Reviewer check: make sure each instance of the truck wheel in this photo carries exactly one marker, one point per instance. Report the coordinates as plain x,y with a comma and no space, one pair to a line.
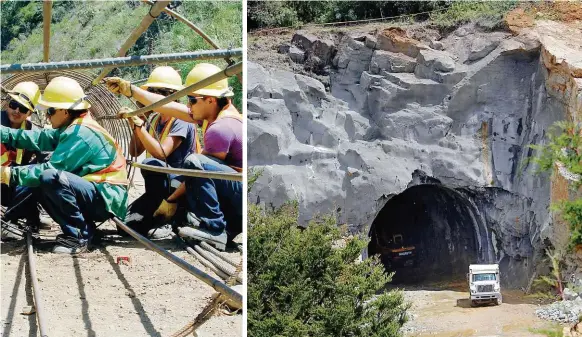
473,304
498,301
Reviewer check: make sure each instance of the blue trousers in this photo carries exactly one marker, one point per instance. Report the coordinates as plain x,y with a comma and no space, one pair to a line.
215,201
73,202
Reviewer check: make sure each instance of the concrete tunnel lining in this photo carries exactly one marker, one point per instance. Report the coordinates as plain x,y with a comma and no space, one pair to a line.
441,223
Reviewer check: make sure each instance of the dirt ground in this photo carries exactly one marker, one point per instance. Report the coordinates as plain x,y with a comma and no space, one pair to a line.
92,295
439,311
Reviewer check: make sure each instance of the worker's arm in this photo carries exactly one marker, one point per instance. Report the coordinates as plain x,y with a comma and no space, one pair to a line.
33,140
218,155
171,109
217,141
72,152
151,144
178,193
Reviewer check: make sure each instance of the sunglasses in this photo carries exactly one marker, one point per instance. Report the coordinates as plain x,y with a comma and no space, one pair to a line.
14,105
163,92
193,99
51,111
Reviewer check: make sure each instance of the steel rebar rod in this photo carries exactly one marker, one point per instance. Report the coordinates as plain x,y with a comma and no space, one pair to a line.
46,27
228,72
222,288
147,20
215,251
218,263
207,263
190,173
119,61
36,288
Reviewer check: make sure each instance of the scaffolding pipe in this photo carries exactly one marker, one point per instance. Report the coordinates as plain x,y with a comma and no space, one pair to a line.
147,20
220,287
35,287
46,27
118,61
190,173
192,26
226,73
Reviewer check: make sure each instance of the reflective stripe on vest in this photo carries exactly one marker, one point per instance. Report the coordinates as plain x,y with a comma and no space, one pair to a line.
228,112
6,156
165,131
116,172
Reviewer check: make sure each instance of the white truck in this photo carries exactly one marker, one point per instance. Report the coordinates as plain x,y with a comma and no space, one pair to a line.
484,284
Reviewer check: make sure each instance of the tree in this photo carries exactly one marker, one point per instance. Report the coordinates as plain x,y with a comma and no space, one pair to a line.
307,281
564,148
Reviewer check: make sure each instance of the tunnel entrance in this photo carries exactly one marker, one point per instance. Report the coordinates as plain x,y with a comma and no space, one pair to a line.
428,233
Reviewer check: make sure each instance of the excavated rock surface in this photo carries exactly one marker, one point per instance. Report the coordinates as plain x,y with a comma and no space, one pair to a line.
401,114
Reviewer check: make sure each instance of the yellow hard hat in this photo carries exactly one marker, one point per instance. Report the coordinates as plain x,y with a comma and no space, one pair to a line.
64,93
26,93
205,70
164,77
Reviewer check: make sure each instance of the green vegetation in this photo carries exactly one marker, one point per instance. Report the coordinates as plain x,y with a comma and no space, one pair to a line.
565,146
553,332
309,282
445,14
551,286
96,29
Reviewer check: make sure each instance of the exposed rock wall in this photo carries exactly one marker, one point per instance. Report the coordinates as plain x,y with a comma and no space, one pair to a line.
463,116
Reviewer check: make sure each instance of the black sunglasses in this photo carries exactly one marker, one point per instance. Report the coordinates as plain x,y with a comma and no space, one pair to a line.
14,105
51,111
193,99
164,92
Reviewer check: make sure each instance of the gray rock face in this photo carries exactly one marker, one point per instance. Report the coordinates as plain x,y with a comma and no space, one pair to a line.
481,47
382,133
297,55
304,40
324,50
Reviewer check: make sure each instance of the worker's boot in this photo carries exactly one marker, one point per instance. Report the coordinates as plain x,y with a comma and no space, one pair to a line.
162,232
70,245
196,232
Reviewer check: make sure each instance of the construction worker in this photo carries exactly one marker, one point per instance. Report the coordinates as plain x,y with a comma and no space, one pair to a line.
211,203
165,140
86,177
23,100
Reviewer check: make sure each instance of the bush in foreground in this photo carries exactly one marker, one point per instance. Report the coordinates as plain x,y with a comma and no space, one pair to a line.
308,282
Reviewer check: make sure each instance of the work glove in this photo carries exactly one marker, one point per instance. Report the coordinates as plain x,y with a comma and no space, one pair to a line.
133,120
118,86
5,175
166,209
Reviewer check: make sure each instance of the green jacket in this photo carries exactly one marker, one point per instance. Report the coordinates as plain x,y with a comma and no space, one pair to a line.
77,149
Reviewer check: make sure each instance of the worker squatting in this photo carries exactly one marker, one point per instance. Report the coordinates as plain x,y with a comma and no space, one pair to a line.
83,179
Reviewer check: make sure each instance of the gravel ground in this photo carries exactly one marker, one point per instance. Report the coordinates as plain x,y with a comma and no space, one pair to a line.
92,295
563,312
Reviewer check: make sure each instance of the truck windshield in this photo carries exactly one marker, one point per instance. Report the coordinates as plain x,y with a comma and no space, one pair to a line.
483,277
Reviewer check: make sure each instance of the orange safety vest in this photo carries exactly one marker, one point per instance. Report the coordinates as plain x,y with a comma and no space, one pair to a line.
7,156
228,112
166,131
116,172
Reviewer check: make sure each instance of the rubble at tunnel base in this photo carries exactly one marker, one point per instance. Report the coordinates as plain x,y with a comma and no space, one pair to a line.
468,125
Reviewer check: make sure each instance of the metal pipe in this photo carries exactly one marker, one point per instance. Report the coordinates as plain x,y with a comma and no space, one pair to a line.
215,251
147,20
229,71
207,263
119,61
46,27
218,263
37,297
222,288
190,173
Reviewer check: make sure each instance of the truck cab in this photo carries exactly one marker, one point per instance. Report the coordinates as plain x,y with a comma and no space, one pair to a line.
484,286
398,253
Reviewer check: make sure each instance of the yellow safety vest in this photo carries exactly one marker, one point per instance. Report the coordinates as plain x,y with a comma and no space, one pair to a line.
165,131
5,158
116,172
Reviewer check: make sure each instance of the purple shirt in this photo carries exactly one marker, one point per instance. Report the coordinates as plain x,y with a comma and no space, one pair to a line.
225,135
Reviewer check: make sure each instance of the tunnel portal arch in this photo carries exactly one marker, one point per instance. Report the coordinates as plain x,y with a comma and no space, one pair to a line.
442,225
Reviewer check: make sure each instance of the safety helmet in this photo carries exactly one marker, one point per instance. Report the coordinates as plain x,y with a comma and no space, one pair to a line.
64,93
205,70
164,77
26,93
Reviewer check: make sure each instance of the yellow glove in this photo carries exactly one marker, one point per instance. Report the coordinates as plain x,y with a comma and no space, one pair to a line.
118,86
5,175
166,209
133,120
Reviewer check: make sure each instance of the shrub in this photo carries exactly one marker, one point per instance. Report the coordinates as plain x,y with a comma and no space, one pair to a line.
307,282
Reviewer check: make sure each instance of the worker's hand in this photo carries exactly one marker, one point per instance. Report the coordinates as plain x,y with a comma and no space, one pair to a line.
133,120
166,209
5,175
118,86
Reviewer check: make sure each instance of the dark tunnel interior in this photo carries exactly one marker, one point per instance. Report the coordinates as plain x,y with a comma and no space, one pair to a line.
426,233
